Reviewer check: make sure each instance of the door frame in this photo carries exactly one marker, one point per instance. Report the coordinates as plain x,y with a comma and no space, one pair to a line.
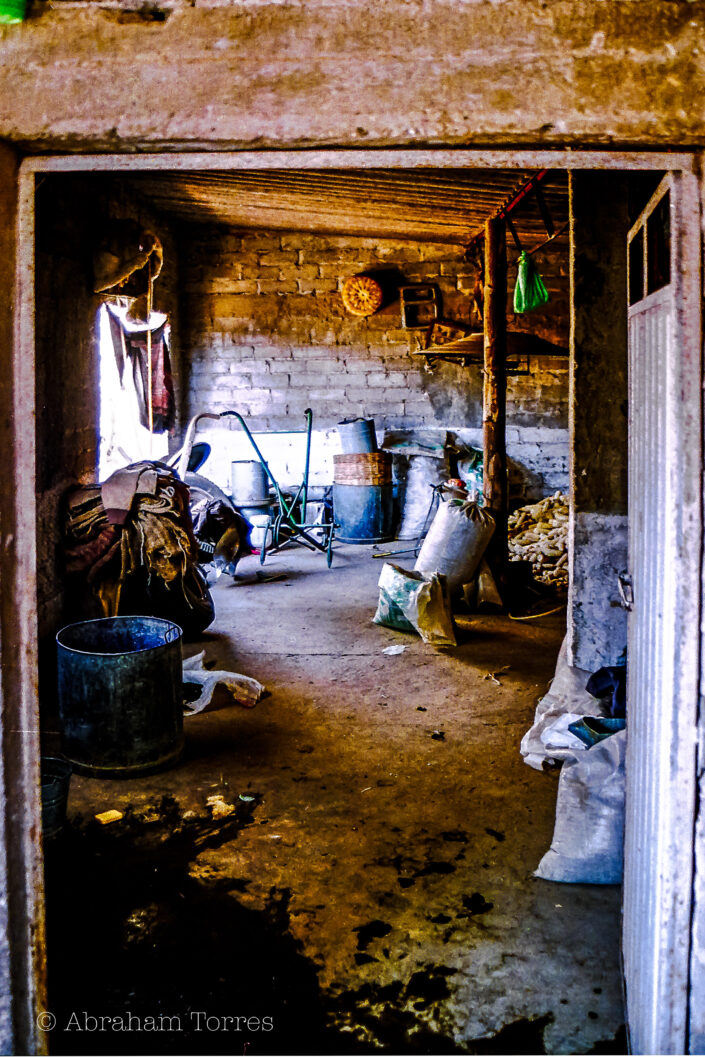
658,892
21,636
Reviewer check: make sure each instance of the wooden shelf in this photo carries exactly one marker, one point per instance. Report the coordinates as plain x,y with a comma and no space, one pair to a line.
469,351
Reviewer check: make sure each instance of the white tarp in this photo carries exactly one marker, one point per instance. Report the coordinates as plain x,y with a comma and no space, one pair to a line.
567,700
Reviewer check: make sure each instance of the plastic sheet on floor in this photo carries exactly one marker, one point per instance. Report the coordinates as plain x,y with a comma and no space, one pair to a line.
244,690
549,740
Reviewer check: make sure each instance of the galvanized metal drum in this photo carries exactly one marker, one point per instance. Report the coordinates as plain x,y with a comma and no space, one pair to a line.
364,512
357,436
250,485
120,695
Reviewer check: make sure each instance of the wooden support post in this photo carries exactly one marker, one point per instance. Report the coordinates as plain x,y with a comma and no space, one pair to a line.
494,390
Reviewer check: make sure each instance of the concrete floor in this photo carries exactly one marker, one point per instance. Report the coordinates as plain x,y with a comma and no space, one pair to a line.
378,890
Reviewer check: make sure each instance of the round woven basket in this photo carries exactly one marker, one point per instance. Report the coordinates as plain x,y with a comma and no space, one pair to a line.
362,296
374,467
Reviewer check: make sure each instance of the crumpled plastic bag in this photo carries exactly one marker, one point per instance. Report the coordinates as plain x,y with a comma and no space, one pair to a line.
412,601
588,838
245,691
566,701
558,740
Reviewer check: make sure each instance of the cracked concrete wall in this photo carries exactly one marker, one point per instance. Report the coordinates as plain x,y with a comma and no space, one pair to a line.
353,72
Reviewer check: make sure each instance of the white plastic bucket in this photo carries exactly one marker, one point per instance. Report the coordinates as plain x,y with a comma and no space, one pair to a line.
260,531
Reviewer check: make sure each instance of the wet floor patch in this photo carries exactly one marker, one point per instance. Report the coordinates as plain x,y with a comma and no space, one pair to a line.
474,904
522,1036
387,1018
399,1017
146,959
616,1044
371,931
496,834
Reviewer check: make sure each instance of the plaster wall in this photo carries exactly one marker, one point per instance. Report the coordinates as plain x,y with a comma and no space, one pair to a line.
315,72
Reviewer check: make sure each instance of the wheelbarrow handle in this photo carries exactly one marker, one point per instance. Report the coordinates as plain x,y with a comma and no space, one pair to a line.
185,454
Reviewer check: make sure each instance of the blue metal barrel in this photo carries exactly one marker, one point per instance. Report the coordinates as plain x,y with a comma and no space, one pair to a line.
364,512
357,436
120,695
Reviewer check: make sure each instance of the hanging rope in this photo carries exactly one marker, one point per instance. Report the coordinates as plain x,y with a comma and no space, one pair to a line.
537,616
150,407
556,234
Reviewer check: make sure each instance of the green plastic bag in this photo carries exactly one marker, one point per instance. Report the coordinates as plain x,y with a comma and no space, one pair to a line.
529,292
12,11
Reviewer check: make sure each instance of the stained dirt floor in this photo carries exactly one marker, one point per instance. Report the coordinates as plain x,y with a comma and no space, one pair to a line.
374,890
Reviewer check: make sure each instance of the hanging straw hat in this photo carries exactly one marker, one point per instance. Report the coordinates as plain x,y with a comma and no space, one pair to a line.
125,249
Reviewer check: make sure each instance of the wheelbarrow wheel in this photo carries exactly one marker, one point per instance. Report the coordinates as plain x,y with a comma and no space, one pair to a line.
201,488
329,548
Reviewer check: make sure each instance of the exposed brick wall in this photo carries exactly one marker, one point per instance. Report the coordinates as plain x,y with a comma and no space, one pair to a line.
265,332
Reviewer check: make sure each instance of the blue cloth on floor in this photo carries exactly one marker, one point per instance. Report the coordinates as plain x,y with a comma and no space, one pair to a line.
591,729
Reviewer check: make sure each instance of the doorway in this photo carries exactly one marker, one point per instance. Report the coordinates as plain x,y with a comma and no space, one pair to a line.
465,161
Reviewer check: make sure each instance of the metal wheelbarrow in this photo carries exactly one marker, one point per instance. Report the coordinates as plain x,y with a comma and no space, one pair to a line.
288,523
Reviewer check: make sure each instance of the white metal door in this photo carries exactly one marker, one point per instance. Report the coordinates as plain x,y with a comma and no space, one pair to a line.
664,641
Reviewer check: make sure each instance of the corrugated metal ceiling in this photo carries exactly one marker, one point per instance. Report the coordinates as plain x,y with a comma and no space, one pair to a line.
427,205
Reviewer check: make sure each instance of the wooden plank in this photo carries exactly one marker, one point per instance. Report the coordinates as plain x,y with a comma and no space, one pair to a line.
494,390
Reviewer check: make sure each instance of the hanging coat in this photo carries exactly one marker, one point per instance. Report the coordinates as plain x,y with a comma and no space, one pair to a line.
131,352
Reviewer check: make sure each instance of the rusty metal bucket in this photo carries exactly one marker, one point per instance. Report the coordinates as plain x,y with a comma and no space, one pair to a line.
120,695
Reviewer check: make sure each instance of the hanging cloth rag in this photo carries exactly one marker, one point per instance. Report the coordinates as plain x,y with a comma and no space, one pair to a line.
131,346
529,292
